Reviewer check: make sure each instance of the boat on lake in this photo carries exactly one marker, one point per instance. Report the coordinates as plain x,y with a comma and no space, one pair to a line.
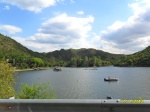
57,68
94,68
111,79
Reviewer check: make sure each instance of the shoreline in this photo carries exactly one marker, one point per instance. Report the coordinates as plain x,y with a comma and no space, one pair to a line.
31,69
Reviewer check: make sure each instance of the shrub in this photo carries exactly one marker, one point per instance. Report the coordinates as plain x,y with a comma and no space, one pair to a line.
6,80
36,91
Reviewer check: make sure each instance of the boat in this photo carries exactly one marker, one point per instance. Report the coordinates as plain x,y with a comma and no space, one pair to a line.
111,79
57,68
94,68
109,97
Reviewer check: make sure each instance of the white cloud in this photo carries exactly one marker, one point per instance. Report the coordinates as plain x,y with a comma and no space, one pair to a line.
6,7
80,12
132,35
72,1
32,5
99,43
10,29
65,27
64,31
40,47
61,31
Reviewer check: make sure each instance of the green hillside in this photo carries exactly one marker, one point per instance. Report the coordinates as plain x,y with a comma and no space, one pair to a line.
18,55
67,54
21,57
9,45
78,57
141,59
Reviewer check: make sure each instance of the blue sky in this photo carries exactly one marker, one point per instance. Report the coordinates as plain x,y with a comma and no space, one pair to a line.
115,26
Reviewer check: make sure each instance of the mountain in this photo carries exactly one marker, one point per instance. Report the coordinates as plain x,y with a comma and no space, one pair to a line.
141,59
83,57
18,55
10,46
70,53
22,57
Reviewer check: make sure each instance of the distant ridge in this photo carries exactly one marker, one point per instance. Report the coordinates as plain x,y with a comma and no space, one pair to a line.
141,59
10,49
90,52
9,46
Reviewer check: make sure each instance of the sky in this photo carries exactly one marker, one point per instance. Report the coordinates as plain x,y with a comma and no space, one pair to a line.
115,26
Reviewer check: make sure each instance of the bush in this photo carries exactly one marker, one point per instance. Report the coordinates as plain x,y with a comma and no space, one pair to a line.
6,80
36,91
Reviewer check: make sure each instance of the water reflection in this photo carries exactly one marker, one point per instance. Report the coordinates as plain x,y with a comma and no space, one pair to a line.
89,84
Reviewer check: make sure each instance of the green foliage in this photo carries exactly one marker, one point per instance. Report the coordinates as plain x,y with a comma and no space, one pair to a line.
36,62
66,55
21,57
141,58
88,62
6,81
85,61
73,62
36,91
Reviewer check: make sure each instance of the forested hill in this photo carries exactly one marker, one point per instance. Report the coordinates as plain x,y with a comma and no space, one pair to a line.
21,57
141,58
9,47
18,55
83,57
83,52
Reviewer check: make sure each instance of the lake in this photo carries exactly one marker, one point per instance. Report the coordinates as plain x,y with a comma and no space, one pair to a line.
85,83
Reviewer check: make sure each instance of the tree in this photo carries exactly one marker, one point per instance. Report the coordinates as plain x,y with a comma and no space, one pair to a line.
36,91
74,62
94,60
38,62
6,80
79,61
85,62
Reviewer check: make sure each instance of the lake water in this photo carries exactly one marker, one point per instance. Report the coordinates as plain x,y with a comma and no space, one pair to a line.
84,83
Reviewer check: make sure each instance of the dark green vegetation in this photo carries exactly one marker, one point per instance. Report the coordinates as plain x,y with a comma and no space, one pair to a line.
139,59
83,57
21,57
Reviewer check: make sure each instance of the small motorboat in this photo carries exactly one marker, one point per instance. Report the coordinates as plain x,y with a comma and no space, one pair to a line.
111,79
109,97
57,69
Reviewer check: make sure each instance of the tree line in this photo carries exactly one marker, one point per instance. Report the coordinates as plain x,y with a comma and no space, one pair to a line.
23,61
87,62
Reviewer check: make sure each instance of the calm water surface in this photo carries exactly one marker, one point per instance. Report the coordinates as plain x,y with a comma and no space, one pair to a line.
84,83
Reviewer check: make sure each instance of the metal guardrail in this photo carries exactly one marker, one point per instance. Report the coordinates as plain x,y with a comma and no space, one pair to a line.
74,105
